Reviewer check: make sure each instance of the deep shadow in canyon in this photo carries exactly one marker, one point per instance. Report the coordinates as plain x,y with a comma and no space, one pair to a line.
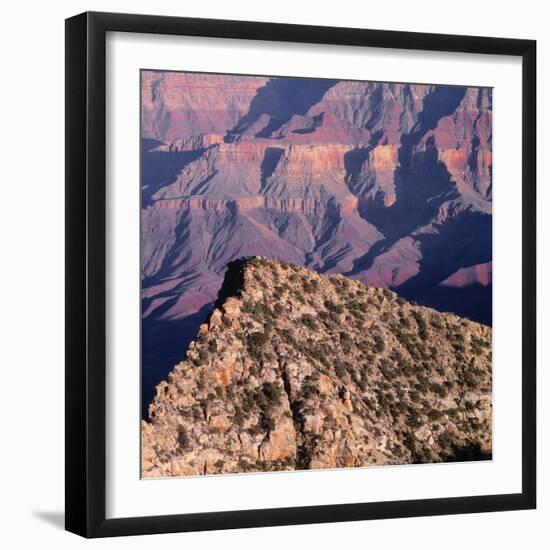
164,344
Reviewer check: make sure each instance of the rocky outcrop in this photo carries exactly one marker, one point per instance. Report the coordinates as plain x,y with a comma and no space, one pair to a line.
296,370
462,144
480,274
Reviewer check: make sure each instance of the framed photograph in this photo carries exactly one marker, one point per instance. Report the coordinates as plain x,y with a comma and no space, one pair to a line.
300,274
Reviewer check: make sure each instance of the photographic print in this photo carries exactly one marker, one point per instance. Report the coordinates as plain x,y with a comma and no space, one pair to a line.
316,273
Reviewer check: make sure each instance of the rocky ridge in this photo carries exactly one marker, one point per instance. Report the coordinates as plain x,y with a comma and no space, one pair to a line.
298,370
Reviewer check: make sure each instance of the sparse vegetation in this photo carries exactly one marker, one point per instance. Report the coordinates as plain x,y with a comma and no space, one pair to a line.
307,357
183,438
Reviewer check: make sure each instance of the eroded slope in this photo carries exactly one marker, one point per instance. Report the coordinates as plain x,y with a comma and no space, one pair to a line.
296,370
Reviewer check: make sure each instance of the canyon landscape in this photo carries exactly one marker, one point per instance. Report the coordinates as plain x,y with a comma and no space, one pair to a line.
304,244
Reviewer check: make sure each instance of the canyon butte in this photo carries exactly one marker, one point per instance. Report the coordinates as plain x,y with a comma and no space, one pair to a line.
298,370
386,183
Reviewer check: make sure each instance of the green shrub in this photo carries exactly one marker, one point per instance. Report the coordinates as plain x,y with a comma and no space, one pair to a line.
309,390
436,322
345,342
379,345
239,416
478,344
333,307
397,449
317,353
267,423
212,346
415,396
309,321
435,415
413,420
272,392
340,369
183,438
310,286
244,466
404,321
256,343
410,442
421,323
423,384
445,439
471,380
438,389
248,401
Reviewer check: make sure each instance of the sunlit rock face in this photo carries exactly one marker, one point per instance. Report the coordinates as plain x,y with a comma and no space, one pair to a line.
297,370
389,184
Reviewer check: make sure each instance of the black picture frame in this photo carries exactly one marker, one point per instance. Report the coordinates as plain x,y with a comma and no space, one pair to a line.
86,280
